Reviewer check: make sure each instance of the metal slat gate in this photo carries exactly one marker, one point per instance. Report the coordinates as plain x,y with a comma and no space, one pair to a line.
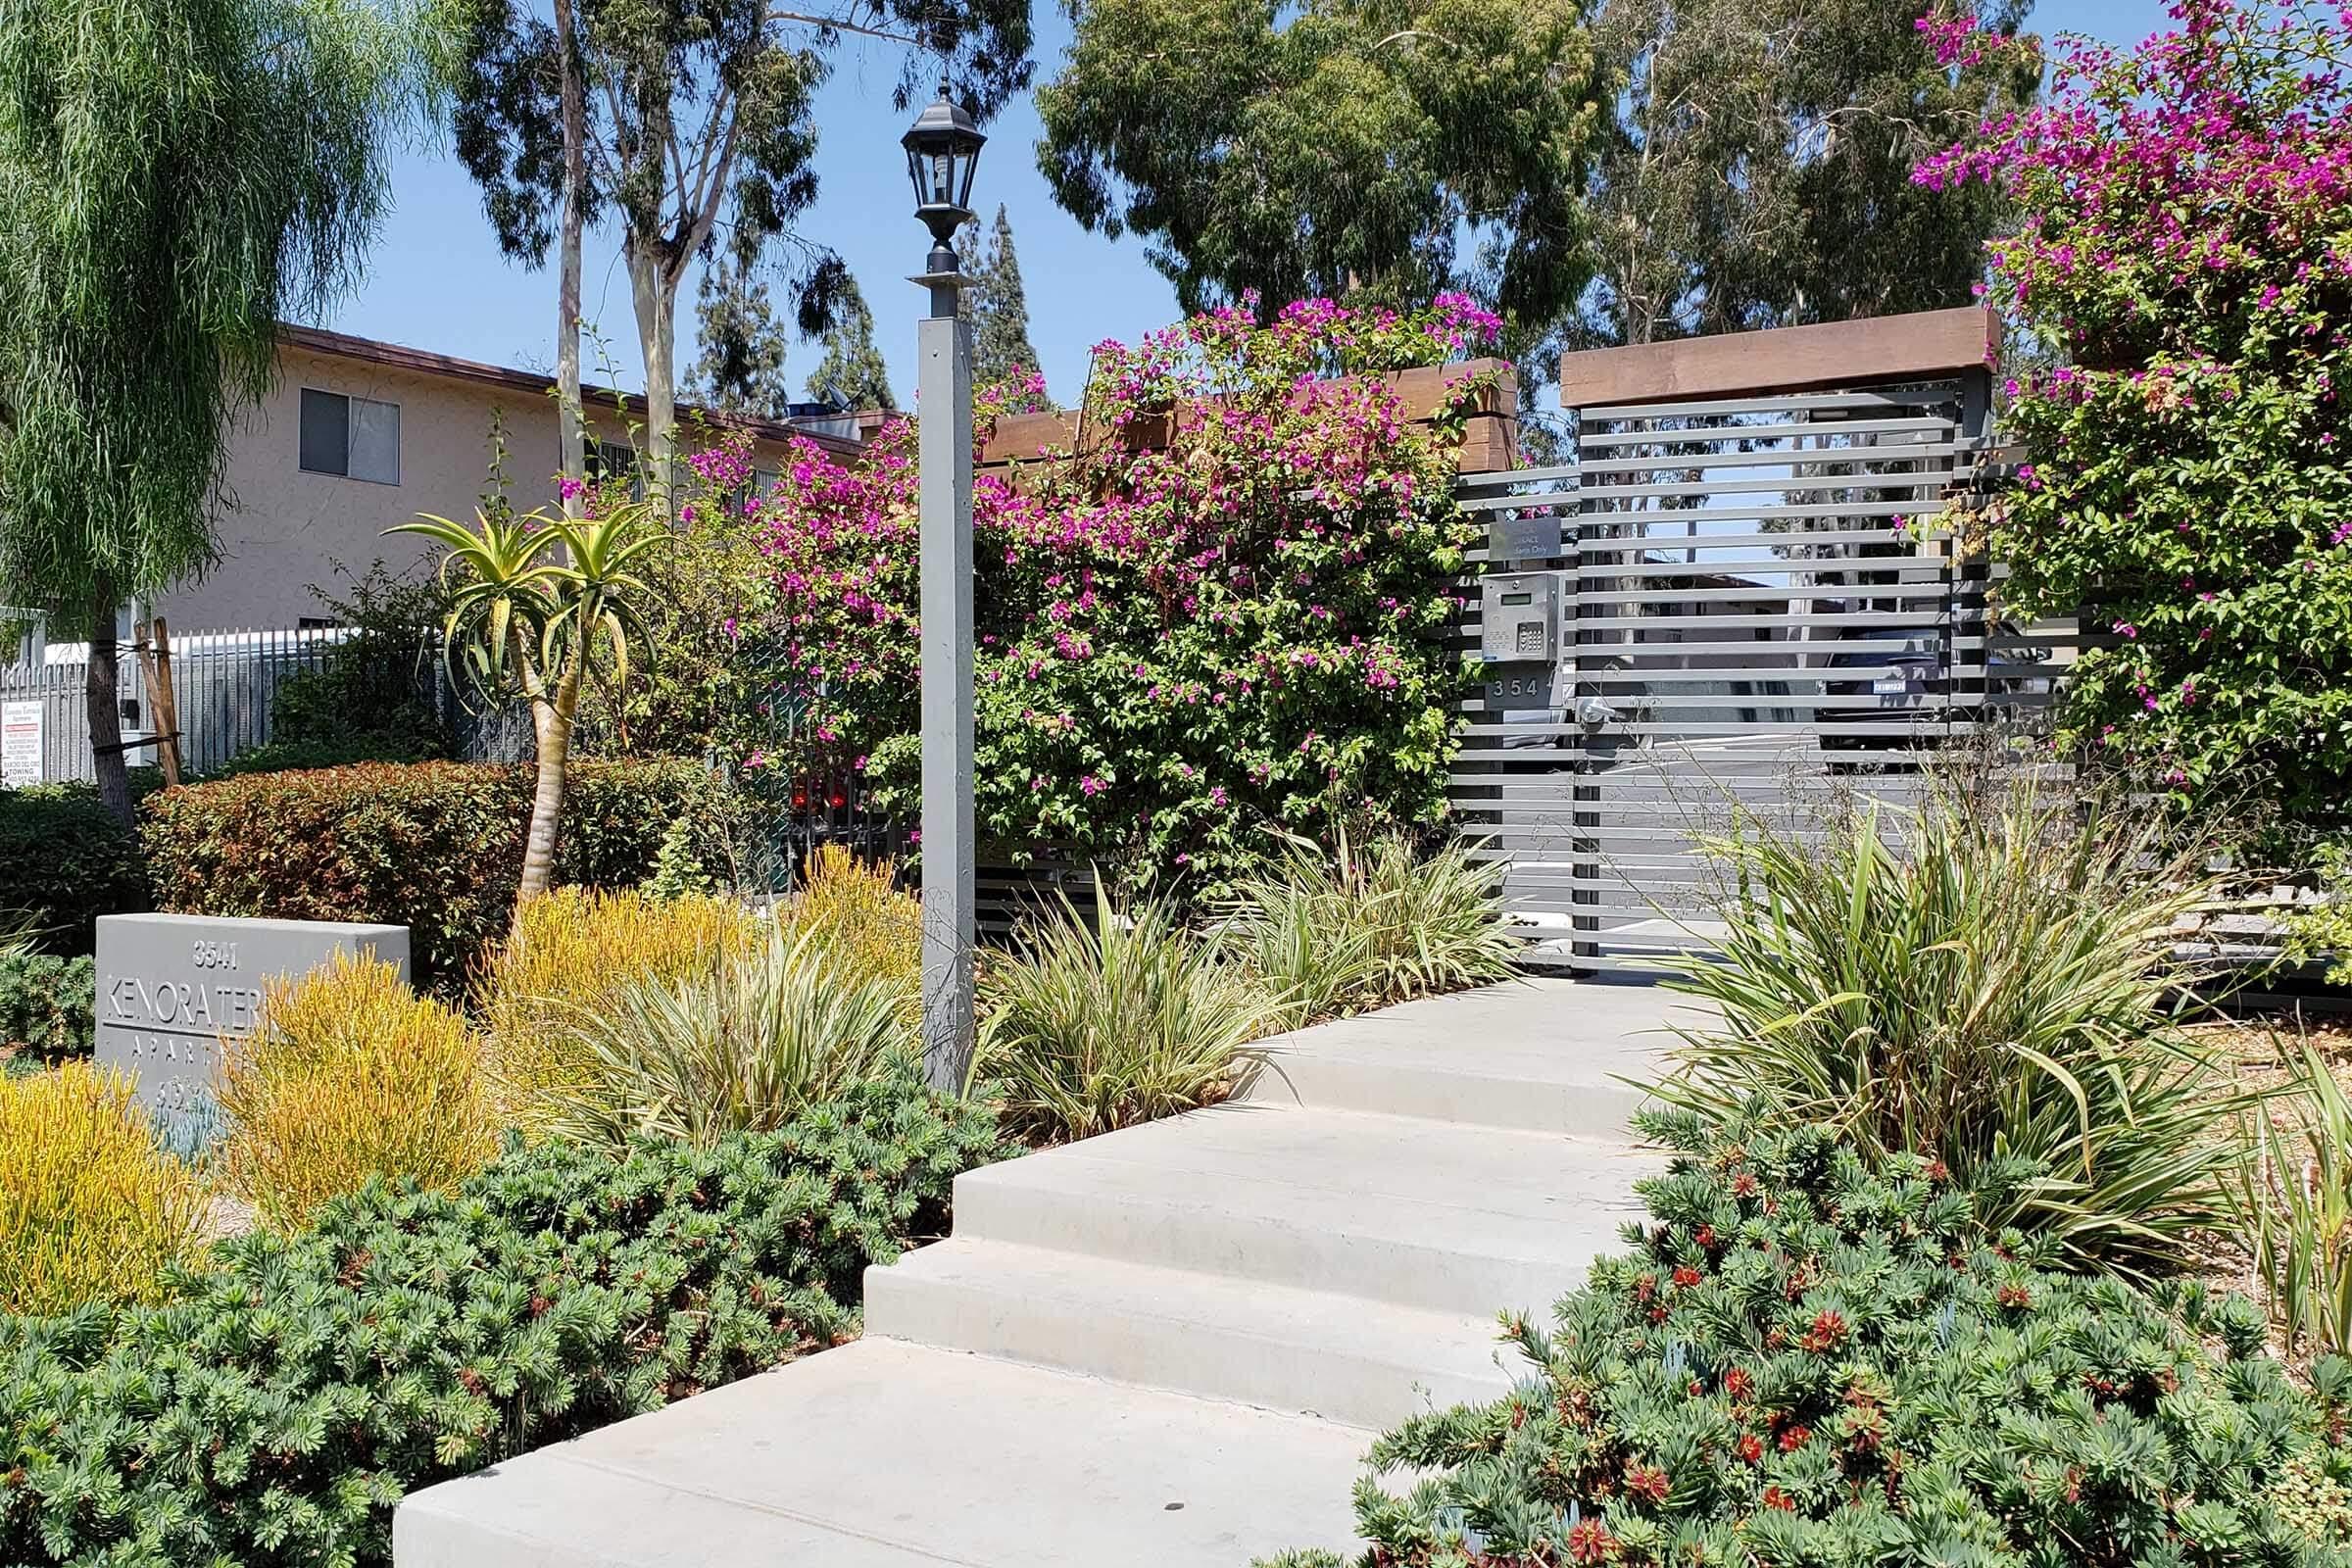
1747,602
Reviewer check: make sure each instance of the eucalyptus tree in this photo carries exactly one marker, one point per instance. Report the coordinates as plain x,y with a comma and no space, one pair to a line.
696,134
1379,149
1758,171
177,176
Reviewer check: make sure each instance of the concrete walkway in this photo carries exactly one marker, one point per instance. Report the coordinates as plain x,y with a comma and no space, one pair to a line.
1168,1347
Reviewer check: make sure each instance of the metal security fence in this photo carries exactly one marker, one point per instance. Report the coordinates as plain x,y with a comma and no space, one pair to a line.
1749,602
225,684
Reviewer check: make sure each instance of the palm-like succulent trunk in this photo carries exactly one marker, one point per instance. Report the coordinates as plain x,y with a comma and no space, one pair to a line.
552,718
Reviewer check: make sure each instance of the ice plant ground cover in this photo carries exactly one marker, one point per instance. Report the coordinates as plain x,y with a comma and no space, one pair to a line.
2183,270
1225,610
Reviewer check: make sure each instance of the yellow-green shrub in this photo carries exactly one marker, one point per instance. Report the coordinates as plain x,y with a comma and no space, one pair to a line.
90,1206
570,954
869,929
350,1075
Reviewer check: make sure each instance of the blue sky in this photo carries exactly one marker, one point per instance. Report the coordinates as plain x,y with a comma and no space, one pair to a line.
437,280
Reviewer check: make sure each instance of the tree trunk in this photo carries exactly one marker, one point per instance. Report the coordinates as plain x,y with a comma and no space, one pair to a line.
102,694
654,292
552,720
571,454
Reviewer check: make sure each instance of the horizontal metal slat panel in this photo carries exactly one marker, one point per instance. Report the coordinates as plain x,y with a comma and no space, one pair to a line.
1668,570
1547,475
1590,496
1910,585
1592,518
1776,458
1563,501
1904,425
1927,394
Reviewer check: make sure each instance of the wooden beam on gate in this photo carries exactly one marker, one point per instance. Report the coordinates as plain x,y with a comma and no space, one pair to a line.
1921,345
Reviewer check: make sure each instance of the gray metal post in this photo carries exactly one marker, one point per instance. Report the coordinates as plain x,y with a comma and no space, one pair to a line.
943,341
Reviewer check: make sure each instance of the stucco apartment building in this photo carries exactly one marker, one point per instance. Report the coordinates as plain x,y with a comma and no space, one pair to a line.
360,436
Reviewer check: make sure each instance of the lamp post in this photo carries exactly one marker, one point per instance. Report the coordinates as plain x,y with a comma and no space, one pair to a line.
943,148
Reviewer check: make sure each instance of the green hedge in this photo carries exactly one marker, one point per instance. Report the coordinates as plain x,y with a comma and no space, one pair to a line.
64,862
1808,1363
276,1413
290,756
436,847
48,1005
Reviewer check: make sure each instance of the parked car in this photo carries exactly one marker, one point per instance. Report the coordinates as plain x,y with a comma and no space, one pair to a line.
1905,665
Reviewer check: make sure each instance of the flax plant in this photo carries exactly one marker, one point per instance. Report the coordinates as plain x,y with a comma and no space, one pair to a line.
743,1048
1983,978
1097,1025
2294,1201
1369,925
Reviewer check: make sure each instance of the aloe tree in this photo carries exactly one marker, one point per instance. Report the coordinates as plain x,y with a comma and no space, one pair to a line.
177,176
535,600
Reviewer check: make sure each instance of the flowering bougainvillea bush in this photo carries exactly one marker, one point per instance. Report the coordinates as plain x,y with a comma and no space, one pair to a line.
1225,610
2185,262
1805,1360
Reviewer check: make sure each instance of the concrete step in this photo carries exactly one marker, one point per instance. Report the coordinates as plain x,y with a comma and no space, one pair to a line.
883,1454
1342,1357
1443,1216
1537,1055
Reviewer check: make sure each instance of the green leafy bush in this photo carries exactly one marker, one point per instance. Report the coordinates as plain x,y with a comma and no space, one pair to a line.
2322,933
1093,1026
372,695
293,756
64,862
1982,978
48,1005
436,847
275,1413
1814,1359
1369,925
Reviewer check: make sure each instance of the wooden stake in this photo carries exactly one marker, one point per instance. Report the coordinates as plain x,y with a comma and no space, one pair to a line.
154,663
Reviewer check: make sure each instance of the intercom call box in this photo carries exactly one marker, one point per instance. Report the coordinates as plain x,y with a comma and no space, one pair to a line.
1520,618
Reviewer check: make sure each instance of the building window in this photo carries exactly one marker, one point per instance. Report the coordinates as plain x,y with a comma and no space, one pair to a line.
614,459
358,438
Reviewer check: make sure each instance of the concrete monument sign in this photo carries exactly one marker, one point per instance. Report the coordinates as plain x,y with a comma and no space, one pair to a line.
170,985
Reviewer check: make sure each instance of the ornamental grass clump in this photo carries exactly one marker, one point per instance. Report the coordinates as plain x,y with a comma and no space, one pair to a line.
743,1048
349,1077
1369,924
1983,978
569,954
91,1209
1810,1356
1095,1025
2294,1202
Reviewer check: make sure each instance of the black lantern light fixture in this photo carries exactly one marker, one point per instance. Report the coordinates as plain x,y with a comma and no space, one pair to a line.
942,149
